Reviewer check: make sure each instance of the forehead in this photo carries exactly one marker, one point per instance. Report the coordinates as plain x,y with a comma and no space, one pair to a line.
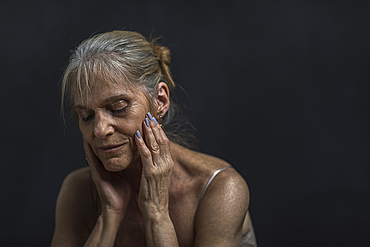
98,77
101,91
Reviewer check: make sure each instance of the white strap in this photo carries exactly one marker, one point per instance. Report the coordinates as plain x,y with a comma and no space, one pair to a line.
210,180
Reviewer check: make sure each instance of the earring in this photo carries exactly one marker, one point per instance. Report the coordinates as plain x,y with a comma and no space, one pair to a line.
160,121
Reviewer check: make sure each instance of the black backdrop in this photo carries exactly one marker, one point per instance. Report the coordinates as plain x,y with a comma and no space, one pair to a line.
277,88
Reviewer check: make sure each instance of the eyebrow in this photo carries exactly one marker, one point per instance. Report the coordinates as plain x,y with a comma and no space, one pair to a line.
106,101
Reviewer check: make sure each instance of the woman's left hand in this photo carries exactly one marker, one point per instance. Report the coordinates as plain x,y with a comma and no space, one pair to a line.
157,167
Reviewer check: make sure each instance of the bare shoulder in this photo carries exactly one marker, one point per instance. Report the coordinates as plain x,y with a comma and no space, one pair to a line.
227,186
76,193
80,177
74,211
76,188
202,166
222,211
200,163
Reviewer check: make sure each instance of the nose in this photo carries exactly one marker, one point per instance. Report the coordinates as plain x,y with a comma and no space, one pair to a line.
103,125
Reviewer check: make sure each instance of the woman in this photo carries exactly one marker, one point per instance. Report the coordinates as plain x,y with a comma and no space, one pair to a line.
140,188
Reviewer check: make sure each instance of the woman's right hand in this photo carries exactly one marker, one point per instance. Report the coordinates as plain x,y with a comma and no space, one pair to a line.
113,187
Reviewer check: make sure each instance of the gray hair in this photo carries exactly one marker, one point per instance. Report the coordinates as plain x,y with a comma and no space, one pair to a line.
123,57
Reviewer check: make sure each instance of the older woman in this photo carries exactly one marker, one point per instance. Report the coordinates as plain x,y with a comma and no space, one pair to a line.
141,187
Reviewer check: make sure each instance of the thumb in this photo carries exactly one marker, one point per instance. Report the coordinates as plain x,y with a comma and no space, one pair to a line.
95,164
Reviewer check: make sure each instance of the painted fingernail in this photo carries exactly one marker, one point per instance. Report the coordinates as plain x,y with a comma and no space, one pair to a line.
155,120
138,134
85,140
150,116
146,122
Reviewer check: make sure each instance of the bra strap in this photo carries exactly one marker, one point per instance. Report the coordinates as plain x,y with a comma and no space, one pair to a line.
210,180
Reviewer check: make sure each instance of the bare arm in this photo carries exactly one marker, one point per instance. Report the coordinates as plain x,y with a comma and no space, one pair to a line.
74,207
74,215
157,167
105,231
114,192
220,216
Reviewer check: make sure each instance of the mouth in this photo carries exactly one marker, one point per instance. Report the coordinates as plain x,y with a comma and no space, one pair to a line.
111,147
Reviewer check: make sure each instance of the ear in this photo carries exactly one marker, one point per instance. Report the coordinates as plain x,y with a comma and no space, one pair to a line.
163,99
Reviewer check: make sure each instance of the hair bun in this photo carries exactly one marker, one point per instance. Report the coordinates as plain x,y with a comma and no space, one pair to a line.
164,58
163,54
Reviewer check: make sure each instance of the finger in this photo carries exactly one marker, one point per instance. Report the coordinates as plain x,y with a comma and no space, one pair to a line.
153,182
163,159
150,139
145,153
152,171
159,175
160,136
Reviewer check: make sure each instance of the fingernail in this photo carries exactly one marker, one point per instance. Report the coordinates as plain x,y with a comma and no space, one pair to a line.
146,122
85,139
138,134
155,120
150,116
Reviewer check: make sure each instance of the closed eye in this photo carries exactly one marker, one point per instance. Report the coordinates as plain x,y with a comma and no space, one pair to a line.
88,118
118,111
118,107
85,115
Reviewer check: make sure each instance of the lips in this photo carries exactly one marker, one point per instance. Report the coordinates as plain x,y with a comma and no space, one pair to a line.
111,147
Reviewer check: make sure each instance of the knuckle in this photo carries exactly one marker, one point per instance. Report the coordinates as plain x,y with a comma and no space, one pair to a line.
154,172
146,154
163,141
168,156
163,169
154,147
169,170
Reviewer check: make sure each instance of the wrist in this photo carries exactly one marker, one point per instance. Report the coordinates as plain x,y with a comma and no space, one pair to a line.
160,231
157,218
112,217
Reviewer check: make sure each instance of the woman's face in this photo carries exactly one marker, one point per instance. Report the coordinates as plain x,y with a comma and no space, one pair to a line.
108,119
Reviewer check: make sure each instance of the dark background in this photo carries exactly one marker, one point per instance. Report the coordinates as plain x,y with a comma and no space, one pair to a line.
277,88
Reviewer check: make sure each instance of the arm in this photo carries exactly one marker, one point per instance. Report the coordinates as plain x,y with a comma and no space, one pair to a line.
105,231
220,216
74,206
157,167
74,215
114,193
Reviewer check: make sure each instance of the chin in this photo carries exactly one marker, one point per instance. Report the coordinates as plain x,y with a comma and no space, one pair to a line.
114,169
115,165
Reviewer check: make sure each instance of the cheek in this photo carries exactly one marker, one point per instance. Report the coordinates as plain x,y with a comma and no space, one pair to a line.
84,131
132,123
128,127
